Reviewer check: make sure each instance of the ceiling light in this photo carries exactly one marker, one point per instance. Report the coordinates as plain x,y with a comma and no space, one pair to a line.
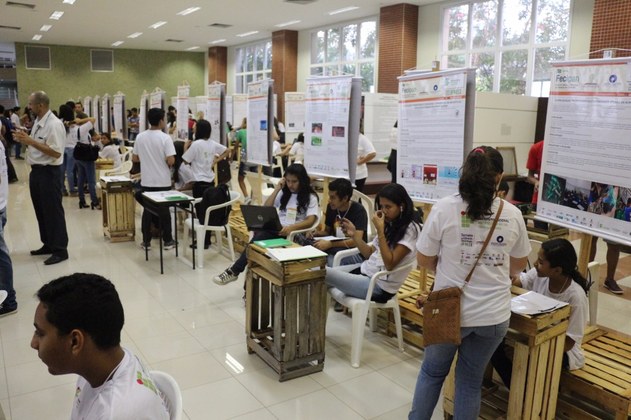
247,34
217,41
69,1
344,10
188,11
291,22
56,15
117,43
192,48
45,28
37,37
157,24
134,35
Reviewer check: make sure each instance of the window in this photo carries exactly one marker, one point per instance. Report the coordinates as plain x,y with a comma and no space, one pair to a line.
253,62
346,49
511,42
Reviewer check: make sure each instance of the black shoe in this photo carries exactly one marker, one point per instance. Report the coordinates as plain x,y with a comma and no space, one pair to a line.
4,311
83,205
56,258
95,205
42,251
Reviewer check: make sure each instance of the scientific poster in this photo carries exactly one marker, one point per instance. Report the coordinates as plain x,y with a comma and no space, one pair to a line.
381,111
106,115
434,131
239,108
142,114
96,108
156,99
182,107
87,105
585,181
120,117
294,112
216,111
260,118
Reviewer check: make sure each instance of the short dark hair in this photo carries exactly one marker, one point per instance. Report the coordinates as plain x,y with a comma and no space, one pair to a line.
202,130
71,104
87,302
342,187
134,110
155,115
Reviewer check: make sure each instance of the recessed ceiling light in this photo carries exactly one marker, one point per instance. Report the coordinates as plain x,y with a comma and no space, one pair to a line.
217,41
343,10
291,22
117,43
188,11
69,1
45,28
56,15
192,48
134,35
247,34
157,24
37,37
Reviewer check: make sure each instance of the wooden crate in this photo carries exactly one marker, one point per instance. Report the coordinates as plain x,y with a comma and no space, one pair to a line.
118,204
286,310
240,234
605,380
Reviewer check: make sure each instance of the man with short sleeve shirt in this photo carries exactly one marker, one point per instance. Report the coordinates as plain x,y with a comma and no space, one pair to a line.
45,155
156,153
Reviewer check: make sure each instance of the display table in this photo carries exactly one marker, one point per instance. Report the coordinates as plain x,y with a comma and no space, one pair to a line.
118,204
538,354
286,310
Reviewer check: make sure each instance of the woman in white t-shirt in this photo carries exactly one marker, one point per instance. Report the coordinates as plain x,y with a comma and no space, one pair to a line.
449,244
393,246
365,153
110,150
298,208
555,275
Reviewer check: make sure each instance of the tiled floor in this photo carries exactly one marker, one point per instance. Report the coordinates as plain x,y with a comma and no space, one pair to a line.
184,324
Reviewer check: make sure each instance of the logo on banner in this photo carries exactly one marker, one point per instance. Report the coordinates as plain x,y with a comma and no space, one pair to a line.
613,78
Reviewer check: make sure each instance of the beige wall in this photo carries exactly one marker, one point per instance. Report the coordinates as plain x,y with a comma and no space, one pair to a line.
134,71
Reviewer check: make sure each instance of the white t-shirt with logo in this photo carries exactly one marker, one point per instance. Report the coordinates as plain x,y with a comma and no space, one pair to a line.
576,297
290,215
153,147
129,395
364,147
201,155
449,234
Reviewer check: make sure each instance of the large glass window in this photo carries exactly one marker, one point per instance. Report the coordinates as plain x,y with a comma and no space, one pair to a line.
346,49
511,42
253,62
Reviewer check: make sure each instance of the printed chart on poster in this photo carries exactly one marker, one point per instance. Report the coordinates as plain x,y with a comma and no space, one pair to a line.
327,127
216,110
199,106
294,112
585,181
259,148
434,131
182,107
120,118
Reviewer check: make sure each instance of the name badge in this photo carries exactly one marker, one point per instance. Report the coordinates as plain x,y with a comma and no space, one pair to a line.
339,233
290,215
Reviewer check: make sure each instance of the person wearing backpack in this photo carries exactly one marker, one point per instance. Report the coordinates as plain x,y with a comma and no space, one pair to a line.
214,196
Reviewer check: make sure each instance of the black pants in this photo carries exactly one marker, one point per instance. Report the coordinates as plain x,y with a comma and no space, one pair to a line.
239,265
392,165
200,186
148,217
45,186
359,184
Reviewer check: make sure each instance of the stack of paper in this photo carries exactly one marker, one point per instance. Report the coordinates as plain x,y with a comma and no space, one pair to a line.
296,253
533,303
118,178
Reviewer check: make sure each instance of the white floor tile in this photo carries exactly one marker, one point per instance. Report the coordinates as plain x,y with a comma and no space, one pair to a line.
34,376
168,346
237,360
50,403
264,385
403,373
201,316
262,414
314,406
152,326
219,400
220,335
194,370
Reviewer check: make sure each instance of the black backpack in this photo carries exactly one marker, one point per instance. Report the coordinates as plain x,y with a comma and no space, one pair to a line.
212,197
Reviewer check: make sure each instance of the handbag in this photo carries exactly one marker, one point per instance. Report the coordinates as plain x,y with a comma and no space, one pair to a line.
441,311
85,151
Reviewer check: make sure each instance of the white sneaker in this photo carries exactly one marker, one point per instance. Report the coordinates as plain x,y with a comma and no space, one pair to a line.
225,278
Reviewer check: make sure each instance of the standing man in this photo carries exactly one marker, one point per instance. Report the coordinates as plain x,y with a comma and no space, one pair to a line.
9,306
133,124
15,121
45,155
78,109
156,153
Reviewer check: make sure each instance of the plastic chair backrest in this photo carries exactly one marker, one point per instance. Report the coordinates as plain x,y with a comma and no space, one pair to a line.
369,206
171,392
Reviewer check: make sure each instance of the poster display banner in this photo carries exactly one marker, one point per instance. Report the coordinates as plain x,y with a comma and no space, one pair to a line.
87,105
182,107
585,179
142,115
260,117
215,105
156,99
327,127
120,117
239,108
106,115
96,109
432,141
229,113
294,112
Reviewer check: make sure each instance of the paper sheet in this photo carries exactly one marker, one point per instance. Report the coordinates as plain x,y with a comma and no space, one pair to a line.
533,303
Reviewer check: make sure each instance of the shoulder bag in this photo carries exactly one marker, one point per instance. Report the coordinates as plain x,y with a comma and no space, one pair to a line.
441,311
85,151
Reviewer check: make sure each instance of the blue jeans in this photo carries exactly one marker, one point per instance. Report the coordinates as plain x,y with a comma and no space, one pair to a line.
68,170
18,149
87,173
353,259
474,353
355,285
6,268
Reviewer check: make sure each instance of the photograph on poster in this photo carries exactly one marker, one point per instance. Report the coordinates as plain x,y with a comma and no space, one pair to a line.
263,125
316,128
623,206
337,131
576,194
417,172
553,187
602,199
316,141
448,175
430,174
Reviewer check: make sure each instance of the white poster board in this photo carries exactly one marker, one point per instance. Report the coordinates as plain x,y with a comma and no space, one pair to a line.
87,105
142,116
294,112
156,99
381,111
585,180
106,116
200,104
330,135
120,117
96,108
182,107
216,108
435,131
260,118
239,108
229,114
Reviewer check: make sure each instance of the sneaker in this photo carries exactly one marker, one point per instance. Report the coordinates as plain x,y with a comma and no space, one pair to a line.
7,311
338,307
612,286
225,278
169,245
145,245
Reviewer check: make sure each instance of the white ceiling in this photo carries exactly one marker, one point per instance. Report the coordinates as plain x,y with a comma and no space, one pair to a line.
99,23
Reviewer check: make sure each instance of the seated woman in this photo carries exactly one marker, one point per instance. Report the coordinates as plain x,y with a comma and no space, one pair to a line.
297,206
555,275
296,150
109,150
392,247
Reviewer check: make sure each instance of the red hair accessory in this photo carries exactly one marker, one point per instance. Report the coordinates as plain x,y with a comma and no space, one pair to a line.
478,150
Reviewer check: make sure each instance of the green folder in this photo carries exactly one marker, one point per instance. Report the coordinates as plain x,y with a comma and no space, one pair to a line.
273,243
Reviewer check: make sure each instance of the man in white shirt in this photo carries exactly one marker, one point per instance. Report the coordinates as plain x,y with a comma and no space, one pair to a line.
155,151
78,324
45,155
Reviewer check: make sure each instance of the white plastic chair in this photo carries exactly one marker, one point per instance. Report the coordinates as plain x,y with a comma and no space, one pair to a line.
366,308
123,169
369,205
592,296
278,163
201,229
313,227
171,392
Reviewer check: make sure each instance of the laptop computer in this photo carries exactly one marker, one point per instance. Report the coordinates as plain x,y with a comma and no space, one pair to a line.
261,218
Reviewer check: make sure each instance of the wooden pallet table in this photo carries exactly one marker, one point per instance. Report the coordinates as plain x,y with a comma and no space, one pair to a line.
240,234
118,204
286,310
538,354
